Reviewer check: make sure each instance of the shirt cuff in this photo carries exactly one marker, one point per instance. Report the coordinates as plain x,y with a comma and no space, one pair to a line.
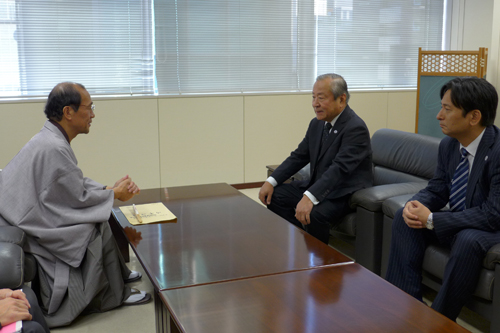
272,181
311,197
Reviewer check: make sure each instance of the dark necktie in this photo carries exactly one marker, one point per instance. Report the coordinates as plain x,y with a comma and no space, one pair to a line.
326,132
459,184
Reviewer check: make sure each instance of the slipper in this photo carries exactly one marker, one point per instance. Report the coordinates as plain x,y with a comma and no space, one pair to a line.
134,276
137,297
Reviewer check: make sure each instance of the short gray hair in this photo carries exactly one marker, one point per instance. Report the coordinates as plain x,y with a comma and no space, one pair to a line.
338,86
63,94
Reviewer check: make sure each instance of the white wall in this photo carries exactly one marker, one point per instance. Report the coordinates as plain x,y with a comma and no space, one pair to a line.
493,74
472,24
195,140
189,140
475,24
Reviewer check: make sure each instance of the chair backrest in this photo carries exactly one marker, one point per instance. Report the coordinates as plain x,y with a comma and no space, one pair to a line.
400,157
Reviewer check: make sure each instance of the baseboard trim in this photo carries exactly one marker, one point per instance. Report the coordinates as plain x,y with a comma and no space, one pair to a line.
243,186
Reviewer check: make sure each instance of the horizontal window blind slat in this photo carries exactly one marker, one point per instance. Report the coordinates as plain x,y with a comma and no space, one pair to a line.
281,45
105,45
199,46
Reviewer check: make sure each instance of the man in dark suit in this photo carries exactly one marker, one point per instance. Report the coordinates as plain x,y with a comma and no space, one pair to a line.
468,178
337,146
22,305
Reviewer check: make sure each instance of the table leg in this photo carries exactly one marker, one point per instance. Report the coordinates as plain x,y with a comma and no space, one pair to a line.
120,237
162,316
164,322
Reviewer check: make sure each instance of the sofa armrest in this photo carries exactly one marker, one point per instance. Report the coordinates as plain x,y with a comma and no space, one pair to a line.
391,205
303,174
12,265
11,234
492,257
372,198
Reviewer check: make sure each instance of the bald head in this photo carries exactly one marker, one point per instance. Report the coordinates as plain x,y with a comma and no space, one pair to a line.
63,94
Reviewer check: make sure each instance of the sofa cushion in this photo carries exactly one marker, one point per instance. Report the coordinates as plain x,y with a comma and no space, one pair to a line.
414,154
347,226
492,257
435,260
383,175
372,198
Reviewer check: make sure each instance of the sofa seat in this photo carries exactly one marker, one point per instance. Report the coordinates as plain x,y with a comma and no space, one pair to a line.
435,261
486,300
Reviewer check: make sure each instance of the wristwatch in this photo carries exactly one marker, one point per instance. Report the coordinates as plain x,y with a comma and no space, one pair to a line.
430,223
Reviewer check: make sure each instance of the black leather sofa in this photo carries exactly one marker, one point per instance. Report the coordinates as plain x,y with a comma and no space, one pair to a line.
398,157
402,164
16,266
486,299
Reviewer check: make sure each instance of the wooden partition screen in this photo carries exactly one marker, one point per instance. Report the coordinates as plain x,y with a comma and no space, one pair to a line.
435,69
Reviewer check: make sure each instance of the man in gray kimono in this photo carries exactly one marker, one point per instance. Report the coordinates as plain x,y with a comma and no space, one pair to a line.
64,214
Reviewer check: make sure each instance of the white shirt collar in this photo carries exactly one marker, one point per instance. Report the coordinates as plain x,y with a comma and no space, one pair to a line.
472,147
335,119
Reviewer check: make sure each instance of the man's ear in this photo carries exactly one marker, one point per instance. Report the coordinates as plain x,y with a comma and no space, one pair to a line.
476,117
343,98
68,112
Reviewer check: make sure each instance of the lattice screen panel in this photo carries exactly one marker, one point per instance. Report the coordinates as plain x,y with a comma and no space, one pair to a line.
449,63
436,68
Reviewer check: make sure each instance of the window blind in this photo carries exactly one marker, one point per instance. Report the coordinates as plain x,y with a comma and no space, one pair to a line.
282,45
105,45
227,46
212,46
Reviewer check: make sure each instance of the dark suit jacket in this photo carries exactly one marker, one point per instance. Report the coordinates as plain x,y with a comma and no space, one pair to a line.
341,167
482,202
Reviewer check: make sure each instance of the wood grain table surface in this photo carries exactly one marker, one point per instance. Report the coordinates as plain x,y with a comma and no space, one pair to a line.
220,235
344,298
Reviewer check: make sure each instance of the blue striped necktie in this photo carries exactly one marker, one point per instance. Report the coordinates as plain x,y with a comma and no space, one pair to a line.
459,184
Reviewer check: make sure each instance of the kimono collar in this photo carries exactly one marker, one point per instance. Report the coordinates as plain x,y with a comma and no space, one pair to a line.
56,124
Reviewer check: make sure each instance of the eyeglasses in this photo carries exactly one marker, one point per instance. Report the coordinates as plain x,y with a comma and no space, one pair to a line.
91,106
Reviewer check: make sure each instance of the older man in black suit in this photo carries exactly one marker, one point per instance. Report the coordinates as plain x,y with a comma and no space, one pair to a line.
337,145
468,177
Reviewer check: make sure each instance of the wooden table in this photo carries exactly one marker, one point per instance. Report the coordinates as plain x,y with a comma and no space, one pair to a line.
220,235
343,298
